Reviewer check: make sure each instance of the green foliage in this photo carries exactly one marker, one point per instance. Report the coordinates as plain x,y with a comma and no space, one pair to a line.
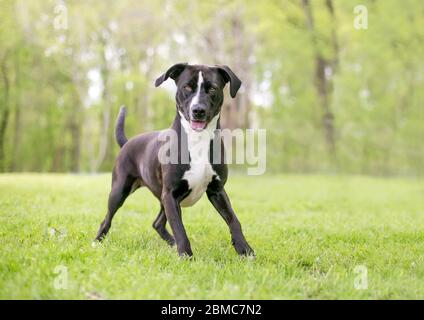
308,242
55,121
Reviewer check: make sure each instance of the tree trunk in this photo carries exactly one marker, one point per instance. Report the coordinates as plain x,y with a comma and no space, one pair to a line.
105,126
17,117
104,134
4,120
75,150
322,84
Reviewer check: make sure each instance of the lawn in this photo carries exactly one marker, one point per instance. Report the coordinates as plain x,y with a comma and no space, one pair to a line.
315,237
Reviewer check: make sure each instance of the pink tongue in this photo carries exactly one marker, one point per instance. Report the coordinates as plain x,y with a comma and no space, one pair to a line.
197,125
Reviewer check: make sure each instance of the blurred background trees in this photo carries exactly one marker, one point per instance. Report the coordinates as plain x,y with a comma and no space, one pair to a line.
332,98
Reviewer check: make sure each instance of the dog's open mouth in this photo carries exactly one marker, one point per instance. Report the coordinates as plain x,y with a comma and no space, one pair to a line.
197,125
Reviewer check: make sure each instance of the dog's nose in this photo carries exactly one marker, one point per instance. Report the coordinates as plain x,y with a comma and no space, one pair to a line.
198,112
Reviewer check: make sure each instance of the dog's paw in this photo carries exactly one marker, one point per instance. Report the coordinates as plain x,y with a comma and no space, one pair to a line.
95,244
185,253
244,250
185,256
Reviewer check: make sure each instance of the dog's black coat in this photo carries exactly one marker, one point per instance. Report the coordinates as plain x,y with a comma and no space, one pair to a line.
138,165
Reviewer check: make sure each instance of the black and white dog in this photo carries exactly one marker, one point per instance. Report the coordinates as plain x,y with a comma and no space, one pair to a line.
180,183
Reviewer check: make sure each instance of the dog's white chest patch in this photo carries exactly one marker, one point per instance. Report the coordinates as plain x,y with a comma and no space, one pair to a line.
201,172
198,178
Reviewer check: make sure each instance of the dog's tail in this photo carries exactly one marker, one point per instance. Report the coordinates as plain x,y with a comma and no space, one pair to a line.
120,137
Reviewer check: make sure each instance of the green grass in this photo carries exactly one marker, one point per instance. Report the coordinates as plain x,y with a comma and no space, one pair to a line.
309,234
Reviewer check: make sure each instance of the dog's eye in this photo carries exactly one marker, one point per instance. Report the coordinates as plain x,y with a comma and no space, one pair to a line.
212,90
188,88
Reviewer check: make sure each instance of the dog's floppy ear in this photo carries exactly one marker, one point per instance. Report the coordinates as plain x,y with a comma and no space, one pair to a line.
229,75
172,73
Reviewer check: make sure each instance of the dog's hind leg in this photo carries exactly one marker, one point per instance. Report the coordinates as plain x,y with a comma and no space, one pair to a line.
160,226
121,188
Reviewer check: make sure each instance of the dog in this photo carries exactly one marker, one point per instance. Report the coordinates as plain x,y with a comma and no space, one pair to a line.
177,184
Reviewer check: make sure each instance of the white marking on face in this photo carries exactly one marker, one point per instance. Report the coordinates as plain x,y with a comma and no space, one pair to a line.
201,172
195,99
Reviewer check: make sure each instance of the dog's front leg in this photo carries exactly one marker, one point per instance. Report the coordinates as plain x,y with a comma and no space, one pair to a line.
220,201
173,214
